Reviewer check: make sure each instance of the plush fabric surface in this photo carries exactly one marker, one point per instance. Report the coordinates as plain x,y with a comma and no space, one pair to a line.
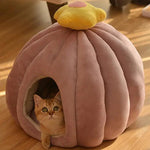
100,76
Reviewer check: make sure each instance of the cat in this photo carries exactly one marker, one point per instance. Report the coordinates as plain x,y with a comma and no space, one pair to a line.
49,113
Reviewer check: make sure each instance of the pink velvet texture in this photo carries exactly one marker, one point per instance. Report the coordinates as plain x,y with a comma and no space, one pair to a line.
100,77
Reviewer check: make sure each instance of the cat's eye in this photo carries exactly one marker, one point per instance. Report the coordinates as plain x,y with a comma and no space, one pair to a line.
55,108
44,109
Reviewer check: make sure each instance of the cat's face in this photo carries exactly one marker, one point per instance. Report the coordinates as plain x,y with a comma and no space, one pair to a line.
48,110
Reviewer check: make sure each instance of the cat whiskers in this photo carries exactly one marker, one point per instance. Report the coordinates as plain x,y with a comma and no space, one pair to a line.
50,117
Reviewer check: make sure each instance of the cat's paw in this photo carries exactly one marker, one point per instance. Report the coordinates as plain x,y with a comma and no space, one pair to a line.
46,145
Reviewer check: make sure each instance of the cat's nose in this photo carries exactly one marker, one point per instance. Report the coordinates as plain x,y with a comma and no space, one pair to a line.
51,113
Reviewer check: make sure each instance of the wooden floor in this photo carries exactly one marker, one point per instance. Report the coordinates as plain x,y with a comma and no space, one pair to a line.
20,20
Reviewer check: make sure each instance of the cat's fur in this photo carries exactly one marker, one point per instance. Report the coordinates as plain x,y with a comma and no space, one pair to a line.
51,122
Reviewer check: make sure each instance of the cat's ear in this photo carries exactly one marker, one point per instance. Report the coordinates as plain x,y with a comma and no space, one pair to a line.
37,100
58,96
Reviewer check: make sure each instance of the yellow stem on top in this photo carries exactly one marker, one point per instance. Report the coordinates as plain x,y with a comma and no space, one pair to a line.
79,15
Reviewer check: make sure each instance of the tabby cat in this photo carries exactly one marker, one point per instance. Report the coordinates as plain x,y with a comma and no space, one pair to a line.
49,113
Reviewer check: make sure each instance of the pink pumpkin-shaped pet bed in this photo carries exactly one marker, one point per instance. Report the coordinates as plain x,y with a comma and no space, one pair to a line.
97,70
